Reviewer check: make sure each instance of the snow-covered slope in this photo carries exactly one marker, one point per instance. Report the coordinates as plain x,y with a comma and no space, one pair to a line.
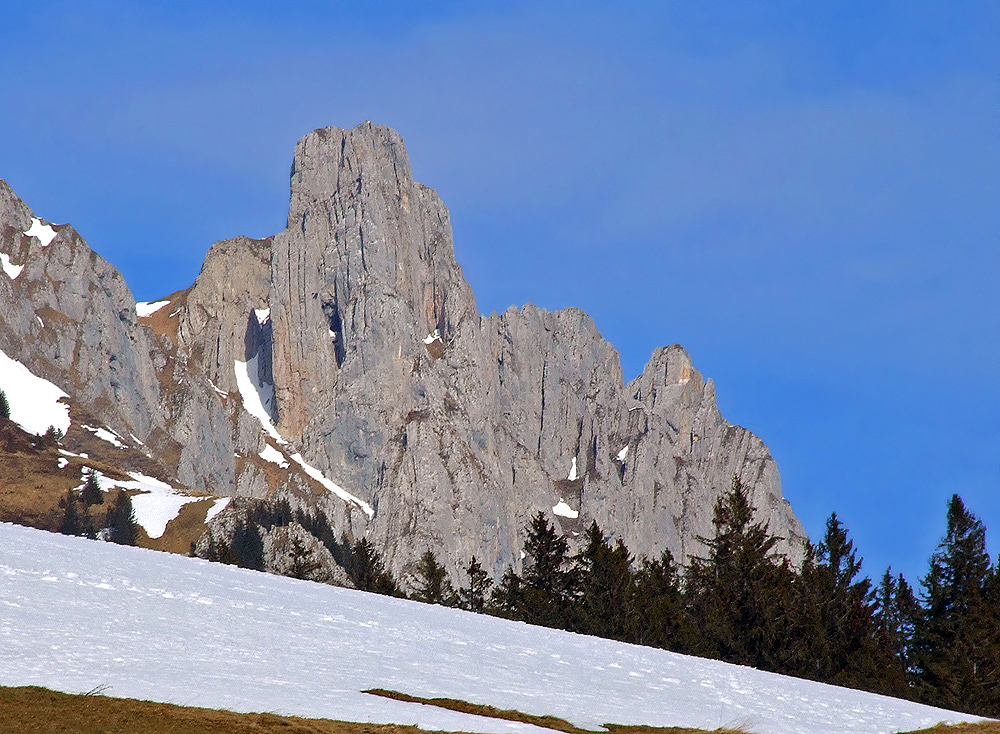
78,614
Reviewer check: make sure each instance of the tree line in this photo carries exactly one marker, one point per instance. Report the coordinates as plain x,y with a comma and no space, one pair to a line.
743,603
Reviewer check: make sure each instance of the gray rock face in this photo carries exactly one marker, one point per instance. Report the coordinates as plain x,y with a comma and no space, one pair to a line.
373,370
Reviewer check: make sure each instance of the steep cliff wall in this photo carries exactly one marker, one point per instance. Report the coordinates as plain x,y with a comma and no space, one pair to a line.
344,362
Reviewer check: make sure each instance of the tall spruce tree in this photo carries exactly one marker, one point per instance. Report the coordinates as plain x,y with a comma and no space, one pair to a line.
658,616
896,614
740,592
507,598
475,596
91,494
248,545
854,654
957,643
72,521
121,525
368,572
548,583
604,574
4,408
431,584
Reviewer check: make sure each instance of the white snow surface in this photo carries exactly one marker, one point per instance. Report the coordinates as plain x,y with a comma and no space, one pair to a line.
8,267
564,510
434,336
274,456
572,471
106,435
257,399
78,614
623,453
34,402
157,504
218,506
262,314
43,232
146,308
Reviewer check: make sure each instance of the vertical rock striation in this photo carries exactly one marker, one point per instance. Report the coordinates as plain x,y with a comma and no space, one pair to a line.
393,404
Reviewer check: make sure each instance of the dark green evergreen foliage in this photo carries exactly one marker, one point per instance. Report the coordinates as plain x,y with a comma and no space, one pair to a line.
91,493
740,593
896,614
507,599
431,584
852,652
4,407
475,596
51,437
72,521
121,525
658,614
957,643
304,565
605,595
248,546
548,583
367,570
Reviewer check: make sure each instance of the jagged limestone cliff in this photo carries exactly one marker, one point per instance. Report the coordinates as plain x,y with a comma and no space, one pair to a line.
344,362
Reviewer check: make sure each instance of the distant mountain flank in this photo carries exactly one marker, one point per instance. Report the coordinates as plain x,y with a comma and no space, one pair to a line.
342,365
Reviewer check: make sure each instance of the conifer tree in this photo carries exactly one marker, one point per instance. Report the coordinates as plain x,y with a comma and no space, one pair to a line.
431,584
605,587
956,662
548,583
121,524
248,545
304,565
896,614
4,408
658,616
475,596
368,572
740,593
91,494
853,653
71,523
507,598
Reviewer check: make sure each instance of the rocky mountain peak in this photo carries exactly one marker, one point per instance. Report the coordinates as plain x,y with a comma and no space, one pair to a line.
343,364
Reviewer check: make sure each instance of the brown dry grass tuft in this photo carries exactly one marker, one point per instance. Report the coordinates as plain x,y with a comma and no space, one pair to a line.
984,727
547,722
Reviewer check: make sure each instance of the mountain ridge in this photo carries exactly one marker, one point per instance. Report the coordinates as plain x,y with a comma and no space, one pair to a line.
363,343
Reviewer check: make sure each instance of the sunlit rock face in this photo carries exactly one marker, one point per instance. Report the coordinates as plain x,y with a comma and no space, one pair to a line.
343,363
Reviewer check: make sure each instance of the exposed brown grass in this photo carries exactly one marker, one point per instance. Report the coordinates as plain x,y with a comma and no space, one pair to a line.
38,710
985,727
33,710
547,722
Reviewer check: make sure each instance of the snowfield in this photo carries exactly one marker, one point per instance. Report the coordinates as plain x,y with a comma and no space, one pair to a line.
78,614
34,403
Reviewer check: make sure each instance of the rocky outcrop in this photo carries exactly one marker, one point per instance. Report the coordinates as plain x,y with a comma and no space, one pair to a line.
344,361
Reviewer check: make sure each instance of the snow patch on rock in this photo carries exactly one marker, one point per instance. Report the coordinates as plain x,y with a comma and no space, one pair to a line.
263,315
564,510
106,435
218,506
274,456
622,454
34,403
572,471
146,308
42,232
8,267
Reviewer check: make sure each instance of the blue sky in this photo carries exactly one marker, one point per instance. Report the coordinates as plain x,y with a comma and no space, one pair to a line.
805,195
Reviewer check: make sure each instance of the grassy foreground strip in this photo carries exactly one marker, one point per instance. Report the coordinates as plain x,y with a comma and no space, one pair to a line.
32,710
41,711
